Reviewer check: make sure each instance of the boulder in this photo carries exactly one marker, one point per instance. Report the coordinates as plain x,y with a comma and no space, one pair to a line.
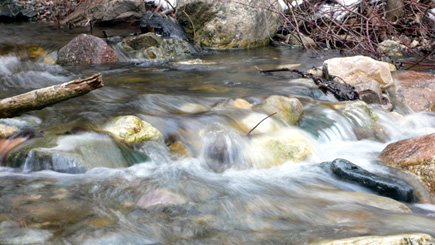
275,148
359,69
132,130
228,24
86,50
9,9
10,126
416,90
385,186
416,155
411,239
114,11
72,153
289,109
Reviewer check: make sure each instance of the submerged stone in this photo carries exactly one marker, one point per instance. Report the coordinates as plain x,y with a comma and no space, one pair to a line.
72,154
385,186
411,239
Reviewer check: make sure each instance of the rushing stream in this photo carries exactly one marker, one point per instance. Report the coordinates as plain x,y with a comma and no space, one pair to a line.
225,191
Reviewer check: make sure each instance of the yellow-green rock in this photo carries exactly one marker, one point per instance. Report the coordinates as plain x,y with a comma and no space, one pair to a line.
278,147
132,130
289,109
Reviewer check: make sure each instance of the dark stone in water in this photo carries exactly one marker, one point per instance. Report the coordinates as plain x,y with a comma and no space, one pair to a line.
384,186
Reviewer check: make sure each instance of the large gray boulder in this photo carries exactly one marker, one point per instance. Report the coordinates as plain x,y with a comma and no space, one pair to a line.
86,50
228,24
106,11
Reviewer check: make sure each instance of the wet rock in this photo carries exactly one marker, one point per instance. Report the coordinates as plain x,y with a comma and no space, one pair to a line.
24,236
364,120
25,51
289,109
273,149
359,69
6,130
9,9
227,24
416,155
152,46
385,186
10,126
142,41
167,27
173,48
86,50
72,153
192,108
414,89
132,130
160,198
369,92
113,11
179,149
411,239
304,41
252,119
241,103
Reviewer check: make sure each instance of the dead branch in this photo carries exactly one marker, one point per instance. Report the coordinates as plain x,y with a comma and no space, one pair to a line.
260,123
43,97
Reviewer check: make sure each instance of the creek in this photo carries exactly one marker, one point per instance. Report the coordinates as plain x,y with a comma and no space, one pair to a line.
223,192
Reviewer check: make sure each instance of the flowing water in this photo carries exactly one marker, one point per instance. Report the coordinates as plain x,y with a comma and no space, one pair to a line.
225,191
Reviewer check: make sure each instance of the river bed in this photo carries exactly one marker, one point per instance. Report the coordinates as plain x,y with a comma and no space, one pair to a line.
203,198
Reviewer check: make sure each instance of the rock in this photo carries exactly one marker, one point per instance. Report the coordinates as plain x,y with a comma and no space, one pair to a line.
142,41
392,48
416,90
305,42
241,103
9,9
160,198
289,109
369,92
86,50
192,108
248,122
273,149
359,69
384,186
132,130
173,48
113,11
72,153
24,236
10,126
152,46
366,199
410,239
224,25
179,149
167,27
416,155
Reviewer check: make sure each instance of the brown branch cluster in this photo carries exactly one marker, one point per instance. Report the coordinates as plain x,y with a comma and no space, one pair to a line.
359,28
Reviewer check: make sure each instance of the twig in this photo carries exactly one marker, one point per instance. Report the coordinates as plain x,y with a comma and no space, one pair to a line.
260,123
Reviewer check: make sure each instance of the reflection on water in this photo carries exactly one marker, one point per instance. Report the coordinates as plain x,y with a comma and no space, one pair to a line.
215,195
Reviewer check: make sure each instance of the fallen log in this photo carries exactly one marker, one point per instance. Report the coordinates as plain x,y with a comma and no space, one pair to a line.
43,97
